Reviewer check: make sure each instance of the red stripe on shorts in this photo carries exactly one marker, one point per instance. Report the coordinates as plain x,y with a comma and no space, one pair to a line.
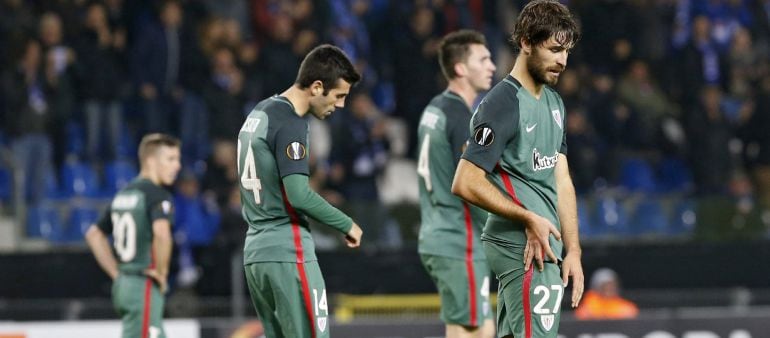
469,264
148,297
300,261
525,300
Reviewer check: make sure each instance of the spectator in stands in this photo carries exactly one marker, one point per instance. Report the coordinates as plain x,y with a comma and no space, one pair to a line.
603,300
710,134
197,224
699,64
359,154
221,172
224,96
27,95
100,51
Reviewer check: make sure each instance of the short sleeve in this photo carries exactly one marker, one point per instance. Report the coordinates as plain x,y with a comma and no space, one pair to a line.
563,148
494,124
105,221
290,149
161,205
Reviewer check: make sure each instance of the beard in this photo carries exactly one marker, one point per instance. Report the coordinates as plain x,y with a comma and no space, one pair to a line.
538,71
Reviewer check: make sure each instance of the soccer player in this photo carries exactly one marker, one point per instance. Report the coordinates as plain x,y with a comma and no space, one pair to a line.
518,146
139,219
282,272
450,235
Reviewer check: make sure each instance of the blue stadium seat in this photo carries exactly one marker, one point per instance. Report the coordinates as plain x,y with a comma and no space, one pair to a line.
6,186
649,218
674,175
127,145
584,221
76,139
116,175
52,190
79,221
78,179
610,217
43,222
637,175
684,218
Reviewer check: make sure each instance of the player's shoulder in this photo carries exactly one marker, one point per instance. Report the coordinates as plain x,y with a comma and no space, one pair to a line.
278,110
552,92
504,93
152,191
451,104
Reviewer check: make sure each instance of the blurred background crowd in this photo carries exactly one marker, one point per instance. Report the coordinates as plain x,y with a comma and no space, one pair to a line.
668,111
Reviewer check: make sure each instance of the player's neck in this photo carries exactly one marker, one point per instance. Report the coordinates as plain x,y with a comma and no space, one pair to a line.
146,174
521,73
464,89
298,98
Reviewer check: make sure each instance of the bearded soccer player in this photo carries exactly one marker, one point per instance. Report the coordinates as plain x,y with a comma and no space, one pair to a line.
282,272
450,234
515,167
139,220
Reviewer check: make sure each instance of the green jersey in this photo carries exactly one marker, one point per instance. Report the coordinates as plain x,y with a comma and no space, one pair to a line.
517,140
129,219
450,227
272,144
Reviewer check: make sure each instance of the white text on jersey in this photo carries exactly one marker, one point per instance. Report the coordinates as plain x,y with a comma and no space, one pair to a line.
250,125
125,202
429,120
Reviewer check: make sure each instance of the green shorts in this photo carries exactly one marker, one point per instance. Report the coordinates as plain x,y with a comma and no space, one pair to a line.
139,303
528,304
290,299
463,287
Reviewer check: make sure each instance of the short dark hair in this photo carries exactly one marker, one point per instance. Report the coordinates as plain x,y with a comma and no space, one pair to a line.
326,63
455,47
541,19
151,142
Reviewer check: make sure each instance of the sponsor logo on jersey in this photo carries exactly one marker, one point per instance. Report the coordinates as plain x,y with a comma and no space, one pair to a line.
484,136
250,125
547,321
429,120
124,202
541,162
557,117
296,151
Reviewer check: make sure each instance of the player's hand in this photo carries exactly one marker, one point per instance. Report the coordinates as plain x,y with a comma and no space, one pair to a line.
571,266
159,278
538,229
353,237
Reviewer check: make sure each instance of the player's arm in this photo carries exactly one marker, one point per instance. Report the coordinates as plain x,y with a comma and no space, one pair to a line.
162,245
567,209
100,247
302,198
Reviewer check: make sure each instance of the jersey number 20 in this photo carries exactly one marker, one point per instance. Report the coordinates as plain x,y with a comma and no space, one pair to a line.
249,179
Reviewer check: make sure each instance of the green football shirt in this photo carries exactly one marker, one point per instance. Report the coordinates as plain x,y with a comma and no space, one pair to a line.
450,227
516,139
129,219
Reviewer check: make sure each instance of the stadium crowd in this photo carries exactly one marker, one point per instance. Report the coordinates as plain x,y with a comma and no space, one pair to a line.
663,97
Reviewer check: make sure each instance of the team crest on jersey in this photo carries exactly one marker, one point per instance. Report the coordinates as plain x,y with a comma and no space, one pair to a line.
296,151
322,324
484,136
547,321
165,206
557,117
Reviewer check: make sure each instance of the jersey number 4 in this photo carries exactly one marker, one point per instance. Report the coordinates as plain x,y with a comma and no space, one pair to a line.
248,171
423,166
124,232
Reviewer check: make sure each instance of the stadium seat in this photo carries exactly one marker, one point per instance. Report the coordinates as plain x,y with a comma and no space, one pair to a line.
674,175
683,218
127,144
76,139
610,217
6,186
43,222
78,179
649,218
584,224
116,175
79,221
637,175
